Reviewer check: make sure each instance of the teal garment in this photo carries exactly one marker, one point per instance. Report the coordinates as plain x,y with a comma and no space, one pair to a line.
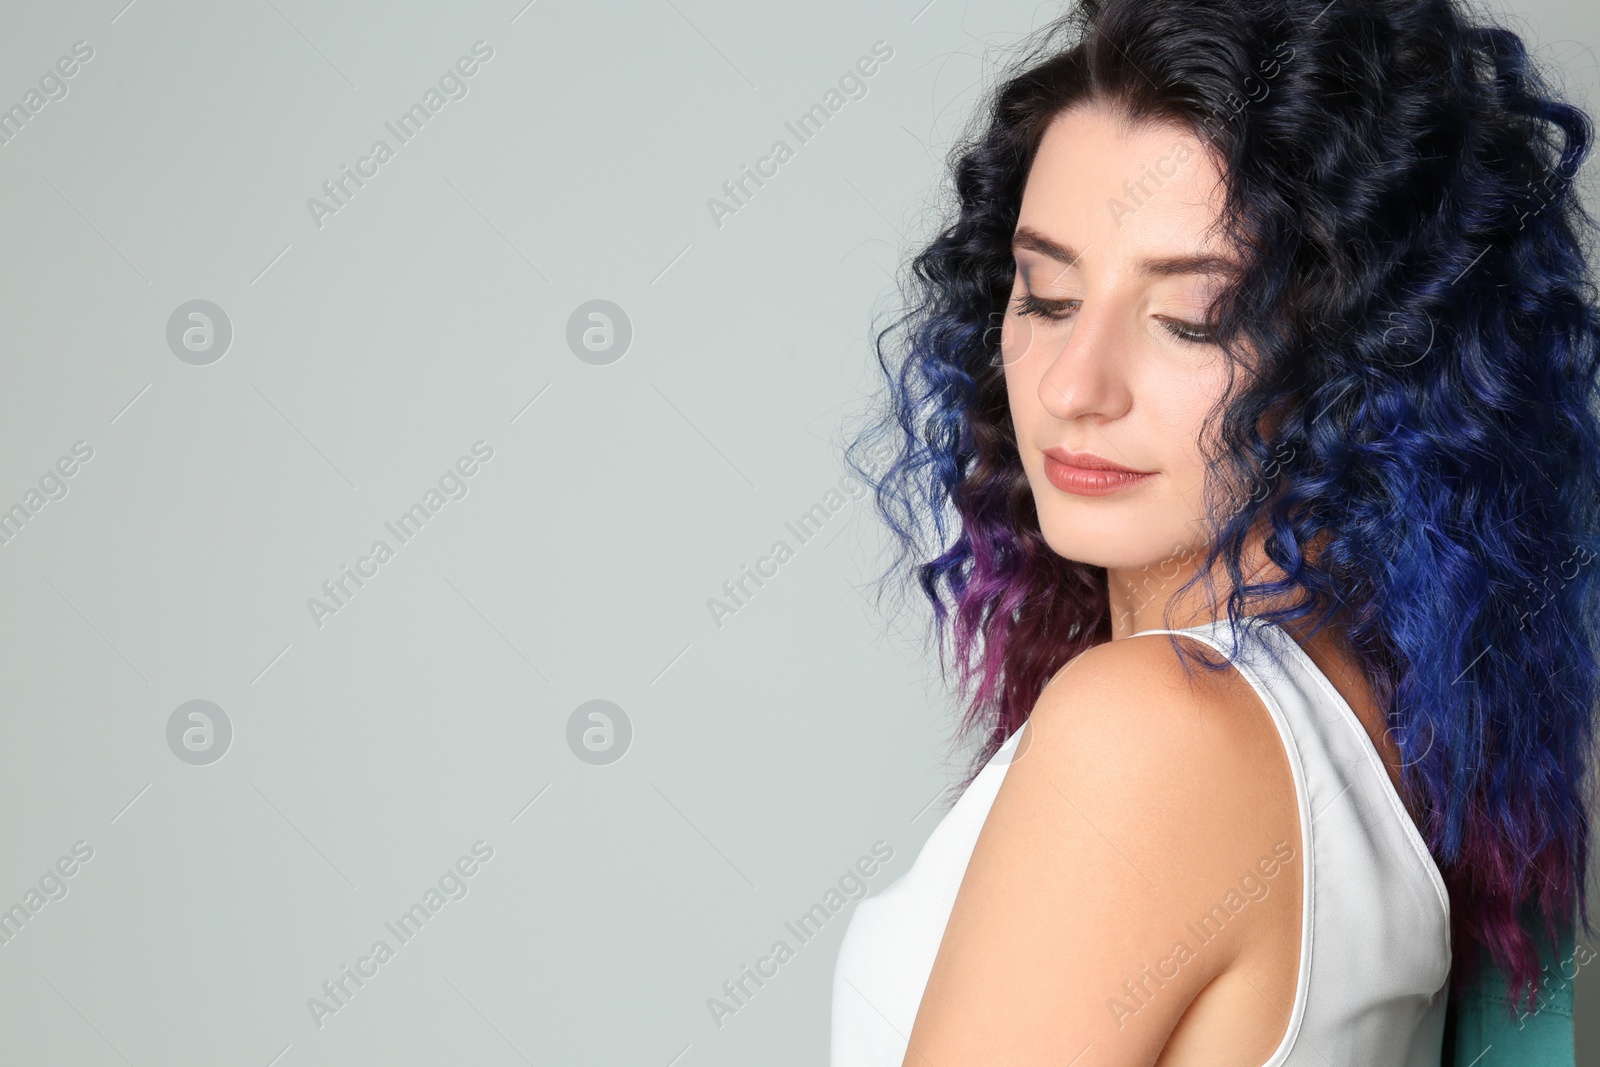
1481,1031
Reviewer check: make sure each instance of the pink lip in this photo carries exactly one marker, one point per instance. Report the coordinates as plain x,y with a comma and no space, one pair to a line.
1087,474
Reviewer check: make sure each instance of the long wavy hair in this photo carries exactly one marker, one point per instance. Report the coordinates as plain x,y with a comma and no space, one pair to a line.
1417,436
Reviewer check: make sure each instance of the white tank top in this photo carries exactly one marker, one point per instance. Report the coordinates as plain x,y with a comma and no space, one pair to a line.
1375,936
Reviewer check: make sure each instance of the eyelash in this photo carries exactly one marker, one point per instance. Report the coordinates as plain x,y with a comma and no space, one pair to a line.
1055,311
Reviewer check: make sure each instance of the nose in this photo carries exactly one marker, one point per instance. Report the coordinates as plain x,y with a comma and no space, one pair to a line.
1086,373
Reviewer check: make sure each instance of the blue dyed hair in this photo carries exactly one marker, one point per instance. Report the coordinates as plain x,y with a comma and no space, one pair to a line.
1417,432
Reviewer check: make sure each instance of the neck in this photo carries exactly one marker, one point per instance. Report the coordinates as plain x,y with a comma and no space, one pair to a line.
1148,598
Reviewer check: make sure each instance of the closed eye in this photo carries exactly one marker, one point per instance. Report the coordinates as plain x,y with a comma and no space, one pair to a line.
1054,310
1193,333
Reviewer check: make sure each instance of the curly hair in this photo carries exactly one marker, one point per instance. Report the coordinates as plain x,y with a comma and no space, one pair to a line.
1417,435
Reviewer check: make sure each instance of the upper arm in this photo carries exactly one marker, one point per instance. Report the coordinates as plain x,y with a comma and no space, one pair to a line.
1136,805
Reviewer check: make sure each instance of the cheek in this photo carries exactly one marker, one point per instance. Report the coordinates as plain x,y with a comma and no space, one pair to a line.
1178,405
1021,373
1028,350
1016,338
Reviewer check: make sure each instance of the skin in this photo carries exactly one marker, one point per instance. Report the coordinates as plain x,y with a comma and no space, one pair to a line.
1138,799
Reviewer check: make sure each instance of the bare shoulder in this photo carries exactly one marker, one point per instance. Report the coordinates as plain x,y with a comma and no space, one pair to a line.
1139,798
1132,702
1188,764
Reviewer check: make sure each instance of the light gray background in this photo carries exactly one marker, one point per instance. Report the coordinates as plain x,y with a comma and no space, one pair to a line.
368,354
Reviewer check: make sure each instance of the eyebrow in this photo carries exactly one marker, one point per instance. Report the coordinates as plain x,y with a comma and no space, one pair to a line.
1163,266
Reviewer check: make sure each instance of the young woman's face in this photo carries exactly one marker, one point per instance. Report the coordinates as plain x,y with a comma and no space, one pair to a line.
1105,339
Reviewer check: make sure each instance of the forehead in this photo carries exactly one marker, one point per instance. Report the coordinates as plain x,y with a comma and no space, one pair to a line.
1115,189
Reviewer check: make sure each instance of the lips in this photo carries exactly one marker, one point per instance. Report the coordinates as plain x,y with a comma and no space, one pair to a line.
1086,474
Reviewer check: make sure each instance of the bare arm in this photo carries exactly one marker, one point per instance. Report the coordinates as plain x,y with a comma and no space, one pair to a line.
1136,805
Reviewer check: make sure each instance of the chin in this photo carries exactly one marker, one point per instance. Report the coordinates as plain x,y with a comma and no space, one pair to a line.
1112,554
1118,538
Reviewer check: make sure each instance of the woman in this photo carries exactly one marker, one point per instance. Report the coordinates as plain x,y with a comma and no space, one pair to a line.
1256,373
